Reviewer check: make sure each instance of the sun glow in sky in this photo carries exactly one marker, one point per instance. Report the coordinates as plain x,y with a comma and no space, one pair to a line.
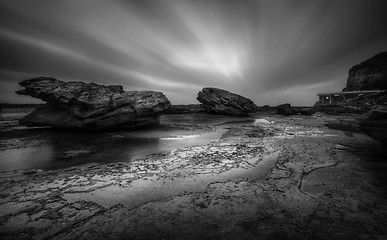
210,60
270,51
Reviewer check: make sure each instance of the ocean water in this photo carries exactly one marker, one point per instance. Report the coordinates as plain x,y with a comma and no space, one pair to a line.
46,148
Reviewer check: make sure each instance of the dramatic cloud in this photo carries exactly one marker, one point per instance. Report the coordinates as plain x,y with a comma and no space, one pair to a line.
270,51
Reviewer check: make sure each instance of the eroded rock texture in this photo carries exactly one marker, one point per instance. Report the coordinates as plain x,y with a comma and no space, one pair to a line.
369,75
220,101
91,106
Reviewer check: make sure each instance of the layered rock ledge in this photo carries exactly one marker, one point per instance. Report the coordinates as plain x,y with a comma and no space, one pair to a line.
220,101
91,106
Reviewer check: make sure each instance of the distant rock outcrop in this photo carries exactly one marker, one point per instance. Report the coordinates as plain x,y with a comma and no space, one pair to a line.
189,108
287,109
91,106
220,101
369,75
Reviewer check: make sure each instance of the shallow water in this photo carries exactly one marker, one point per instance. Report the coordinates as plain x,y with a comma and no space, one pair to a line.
44,148
154,188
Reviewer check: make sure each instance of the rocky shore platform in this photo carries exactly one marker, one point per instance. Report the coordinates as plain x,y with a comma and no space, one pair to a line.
279,178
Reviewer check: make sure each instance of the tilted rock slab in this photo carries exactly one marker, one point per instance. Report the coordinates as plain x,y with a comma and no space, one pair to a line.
220,101
91,106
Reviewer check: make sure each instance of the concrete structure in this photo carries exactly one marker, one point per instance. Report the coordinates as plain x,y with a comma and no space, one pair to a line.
333,98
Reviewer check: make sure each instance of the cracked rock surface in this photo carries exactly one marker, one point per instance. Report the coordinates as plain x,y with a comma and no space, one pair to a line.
282,178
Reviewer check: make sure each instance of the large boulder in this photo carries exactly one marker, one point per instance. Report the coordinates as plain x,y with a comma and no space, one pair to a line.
285,109
220,101
91,106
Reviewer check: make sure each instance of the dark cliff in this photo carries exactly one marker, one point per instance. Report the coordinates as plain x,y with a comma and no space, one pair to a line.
368,75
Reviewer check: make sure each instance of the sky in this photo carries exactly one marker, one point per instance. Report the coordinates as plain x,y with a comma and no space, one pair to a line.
271,51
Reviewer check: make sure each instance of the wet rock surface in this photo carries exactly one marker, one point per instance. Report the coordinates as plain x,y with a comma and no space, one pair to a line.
376,125
219,101
348,125
280,178
91,106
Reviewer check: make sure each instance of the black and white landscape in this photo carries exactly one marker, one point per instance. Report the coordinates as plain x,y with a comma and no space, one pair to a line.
193,119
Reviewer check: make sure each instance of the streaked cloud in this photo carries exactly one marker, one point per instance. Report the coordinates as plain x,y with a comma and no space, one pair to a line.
269,51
